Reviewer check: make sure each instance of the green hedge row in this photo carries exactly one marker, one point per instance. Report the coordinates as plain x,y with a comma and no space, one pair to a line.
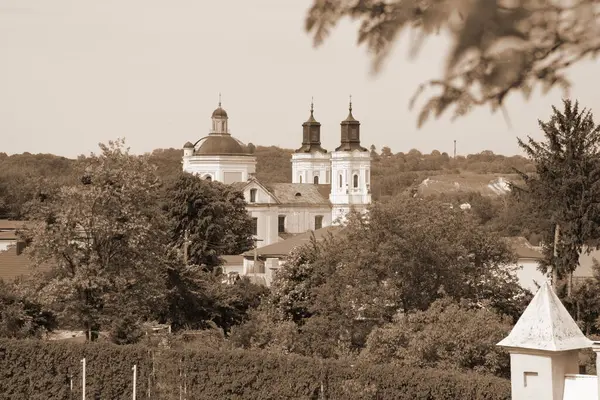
42,370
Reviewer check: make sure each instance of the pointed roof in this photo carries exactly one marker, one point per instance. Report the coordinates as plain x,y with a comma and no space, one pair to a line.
546,325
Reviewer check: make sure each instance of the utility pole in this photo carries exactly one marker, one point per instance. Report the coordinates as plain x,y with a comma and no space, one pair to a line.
186,243
256,240
455,148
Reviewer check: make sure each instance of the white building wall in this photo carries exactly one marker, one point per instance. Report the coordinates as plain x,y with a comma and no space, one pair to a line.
344,195
302,219
220,166
528,274
4,244
305,166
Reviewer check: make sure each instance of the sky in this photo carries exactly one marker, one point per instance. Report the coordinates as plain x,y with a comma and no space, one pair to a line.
74,73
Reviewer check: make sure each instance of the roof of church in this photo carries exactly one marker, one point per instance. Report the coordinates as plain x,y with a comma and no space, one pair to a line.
546,325
300,193
284,247
225,144
219,112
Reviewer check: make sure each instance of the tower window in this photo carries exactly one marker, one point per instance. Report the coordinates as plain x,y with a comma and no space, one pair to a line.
318,222
208,178
255,226
253,195
355,181
281,224
300,179
340,180
316,180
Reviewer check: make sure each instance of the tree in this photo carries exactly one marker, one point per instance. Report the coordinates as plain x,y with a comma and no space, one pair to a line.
406,254
447,335
213,215
565,185
21,318
103,240
497,49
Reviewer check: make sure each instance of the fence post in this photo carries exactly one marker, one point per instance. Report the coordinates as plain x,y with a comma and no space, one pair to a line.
134,380
83,379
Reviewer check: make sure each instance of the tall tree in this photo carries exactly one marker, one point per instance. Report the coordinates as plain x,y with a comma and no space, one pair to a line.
213,215
497,47
103,240
566,185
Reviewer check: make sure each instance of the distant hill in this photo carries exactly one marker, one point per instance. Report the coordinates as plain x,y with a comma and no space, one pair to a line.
391,174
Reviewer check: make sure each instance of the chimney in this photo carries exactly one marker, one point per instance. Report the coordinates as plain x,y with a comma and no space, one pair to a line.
20,247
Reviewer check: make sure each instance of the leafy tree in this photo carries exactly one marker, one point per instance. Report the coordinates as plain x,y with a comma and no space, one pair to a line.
213,215
21,318
447,335
565,185
404,256
103,240
497,49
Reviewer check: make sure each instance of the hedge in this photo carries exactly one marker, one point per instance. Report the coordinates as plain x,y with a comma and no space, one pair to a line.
42,370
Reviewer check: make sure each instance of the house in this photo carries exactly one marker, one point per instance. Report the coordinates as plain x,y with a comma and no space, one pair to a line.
529,256
544,346
262,263
324,188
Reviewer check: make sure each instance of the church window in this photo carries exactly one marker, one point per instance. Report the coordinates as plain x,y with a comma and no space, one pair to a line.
316,180
255,226
281,224
355,181
208,178
253,195
300,180
340,180
318,222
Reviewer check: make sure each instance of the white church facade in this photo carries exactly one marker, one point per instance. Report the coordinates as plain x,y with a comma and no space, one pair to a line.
324,188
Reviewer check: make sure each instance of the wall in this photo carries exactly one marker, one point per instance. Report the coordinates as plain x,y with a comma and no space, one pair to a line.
302,219
305,166
218,166
528,274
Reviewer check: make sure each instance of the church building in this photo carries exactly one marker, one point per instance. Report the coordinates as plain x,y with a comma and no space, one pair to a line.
324,188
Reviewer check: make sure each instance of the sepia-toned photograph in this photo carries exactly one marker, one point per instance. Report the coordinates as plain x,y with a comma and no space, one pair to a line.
308,199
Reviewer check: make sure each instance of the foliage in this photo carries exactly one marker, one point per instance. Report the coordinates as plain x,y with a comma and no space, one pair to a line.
102,240
497,48
21,318
213,215
447,336
221,374
566,184
408,253
126,330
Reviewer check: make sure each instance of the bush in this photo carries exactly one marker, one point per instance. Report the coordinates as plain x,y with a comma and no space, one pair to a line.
41,370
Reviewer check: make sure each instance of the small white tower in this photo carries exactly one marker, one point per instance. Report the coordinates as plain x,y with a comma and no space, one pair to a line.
311,163
350,172
543,347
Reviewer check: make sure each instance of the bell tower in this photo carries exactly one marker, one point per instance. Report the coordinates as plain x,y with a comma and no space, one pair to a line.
310,163
350,172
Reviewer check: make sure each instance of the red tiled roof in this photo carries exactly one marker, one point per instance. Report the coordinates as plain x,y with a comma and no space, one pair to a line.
284,247
12,265
6,224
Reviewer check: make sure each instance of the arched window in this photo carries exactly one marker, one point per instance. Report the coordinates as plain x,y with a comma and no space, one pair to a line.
316,180
208,178
300,179
355,181
340,180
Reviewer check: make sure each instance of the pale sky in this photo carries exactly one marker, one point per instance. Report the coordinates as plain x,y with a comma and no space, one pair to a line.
74,73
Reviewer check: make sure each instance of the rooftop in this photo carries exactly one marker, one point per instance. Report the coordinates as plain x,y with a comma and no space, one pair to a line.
284,247
300,193
546,325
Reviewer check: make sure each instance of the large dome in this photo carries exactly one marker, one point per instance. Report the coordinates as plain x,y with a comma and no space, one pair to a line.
220,145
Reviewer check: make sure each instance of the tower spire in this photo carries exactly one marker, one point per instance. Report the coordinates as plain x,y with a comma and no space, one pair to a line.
219,99
312,105
350,105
